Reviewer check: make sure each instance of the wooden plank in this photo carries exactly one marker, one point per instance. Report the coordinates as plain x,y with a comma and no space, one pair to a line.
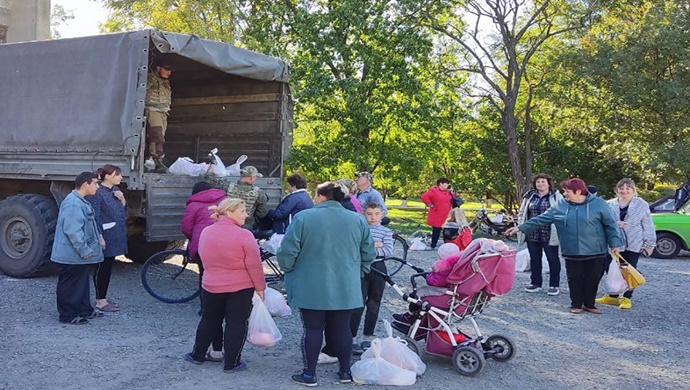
230,117
243,127
224,109
263,97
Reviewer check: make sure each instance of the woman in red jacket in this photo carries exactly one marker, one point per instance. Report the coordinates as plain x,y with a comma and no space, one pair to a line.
438,199
232,273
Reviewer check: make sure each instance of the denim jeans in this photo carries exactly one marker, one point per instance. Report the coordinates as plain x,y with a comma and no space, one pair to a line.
535,249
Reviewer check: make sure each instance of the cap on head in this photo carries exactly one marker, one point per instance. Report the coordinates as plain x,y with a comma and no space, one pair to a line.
250,171
365,174
165,64
201,186
448,249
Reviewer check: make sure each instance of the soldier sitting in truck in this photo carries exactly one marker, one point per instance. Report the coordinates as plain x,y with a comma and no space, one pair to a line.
158,99
254,197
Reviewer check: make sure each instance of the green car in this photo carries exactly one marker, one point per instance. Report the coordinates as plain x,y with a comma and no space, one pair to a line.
672,232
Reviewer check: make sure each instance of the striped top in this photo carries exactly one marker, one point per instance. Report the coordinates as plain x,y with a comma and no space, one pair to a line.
382,234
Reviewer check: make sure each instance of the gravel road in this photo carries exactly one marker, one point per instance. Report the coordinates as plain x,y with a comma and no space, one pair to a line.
141,347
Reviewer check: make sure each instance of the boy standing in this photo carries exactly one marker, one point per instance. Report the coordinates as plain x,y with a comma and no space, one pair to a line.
373,283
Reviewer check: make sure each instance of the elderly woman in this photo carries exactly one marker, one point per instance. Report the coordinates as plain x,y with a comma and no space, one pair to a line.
325,252
232,273
635,223
586,231
545,239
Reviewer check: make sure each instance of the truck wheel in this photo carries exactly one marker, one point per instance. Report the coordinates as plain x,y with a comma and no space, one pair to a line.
138,250
27,229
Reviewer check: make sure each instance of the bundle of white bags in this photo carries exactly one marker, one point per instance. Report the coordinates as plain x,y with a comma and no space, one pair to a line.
187,166
522,263
276,304
388,362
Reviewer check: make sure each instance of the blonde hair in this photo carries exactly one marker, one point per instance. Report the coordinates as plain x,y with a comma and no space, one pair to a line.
225,206
347,184
627,182
457,215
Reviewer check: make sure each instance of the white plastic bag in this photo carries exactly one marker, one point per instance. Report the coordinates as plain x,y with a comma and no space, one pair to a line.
263,331
615,283
276,304
417,244
394,350
234,169
378,371
522,261
273,244
218,169
186,166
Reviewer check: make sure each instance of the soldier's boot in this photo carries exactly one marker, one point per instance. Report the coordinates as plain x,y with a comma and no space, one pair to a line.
160,164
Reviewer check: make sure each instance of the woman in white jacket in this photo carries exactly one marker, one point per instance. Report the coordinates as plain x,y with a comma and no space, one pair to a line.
535,202
637,231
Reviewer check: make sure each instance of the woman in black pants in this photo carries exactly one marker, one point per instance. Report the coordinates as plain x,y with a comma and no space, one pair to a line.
110,210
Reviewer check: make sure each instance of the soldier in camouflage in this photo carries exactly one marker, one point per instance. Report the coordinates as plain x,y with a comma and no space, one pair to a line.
254,197
158,99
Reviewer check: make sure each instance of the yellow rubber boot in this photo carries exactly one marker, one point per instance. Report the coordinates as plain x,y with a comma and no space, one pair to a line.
625,304
608,300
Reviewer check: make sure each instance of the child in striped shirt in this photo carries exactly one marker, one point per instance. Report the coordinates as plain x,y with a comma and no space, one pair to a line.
373,283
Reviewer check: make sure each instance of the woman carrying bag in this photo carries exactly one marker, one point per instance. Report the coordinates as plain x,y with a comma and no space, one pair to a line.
637,231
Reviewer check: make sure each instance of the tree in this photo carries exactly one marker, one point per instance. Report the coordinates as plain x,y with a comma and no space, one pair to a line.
59,16
499,41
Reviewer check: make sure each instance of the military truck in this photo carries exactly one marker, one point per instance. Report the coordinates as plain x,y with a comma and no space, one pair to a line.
73,105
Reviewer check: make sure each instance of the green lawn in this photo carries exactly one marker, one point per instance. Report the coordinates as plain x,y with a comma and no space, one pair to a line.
409,221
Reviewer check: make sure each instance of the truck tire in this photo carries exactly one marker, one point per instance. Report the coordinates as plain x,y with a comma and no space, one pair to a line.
138,250
27,229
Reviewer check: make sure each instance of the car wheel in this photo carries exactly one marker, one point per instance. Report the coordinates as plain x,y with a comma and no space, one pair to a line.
667,246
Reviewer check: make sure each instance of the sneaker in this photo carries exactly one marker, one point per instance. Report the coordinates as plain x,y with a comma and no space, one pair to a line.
553,291
407,318
326,359
625,304
609,300
345,377
532,288
401,327
305,380
357,349
239,367
188,357
366,344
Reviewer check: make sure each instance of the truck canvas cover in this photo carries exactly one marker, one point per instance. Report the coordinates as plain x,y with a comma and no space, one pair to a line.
98,108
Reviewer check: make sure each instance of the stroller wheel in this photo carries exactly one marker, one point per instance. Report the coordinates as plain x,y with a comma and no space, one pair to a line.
500,348
412,344
468,361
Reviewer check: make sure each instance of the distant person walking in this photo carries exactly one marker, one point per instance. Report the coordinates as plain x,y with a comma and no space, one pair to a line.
535,202
637,230
110,208
76,248
438,199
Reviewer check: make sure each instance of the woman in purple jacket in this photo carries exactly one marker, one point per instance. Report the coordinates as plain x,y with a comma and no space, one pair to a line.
196,217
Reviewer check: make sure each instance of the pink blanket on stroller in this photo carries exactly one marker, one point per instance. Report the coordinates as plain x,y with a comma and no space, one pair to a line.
487,265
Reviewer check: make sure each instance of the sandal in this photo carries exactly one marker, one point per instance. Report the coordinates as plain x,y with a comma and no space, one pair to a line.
76,321
575,310
109,307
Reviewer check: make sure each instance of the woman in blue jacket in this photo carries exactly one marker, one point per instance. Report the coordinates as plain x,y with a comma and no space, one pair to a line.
586,231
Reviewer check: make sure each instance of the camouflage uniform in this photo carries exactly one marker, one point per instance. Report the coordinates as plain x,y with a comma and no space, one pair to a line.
158,99
254,197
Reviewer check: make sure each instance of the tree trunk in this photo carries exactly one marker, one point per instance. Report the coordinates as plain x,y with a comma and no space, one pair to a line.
509,124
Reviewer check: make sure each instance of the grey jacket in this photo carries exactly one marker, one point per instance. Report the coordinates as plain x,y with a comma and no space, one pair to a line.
522,214
76,233
639,231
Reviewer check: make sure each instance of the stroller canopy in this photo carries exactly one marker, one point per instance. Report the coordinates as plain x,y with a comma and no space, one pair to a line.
487,265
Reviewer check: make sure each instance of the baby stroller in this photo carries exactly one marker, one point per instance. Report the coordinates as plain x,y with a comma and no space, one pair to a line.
485,269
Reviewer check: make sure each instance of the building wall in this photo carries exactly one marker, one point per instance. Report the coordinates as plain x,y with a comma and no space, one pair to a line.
24,20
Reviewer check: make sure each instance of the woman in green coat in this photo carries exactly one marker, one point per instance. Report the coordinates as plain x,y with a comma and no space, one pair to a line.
324,254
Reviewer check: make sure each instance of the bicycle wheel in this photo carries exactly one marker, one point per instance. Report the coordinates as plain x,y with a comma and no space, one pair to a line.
393,265
400,247
171,277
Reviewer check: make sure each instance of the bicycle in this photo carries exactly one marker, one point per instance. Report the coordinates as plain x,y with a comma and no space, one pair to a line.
172,277
482,225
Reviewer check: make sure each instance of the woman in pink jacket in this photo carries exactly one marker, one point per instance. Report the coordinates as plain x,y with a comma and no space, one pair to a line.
232,273
438,199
